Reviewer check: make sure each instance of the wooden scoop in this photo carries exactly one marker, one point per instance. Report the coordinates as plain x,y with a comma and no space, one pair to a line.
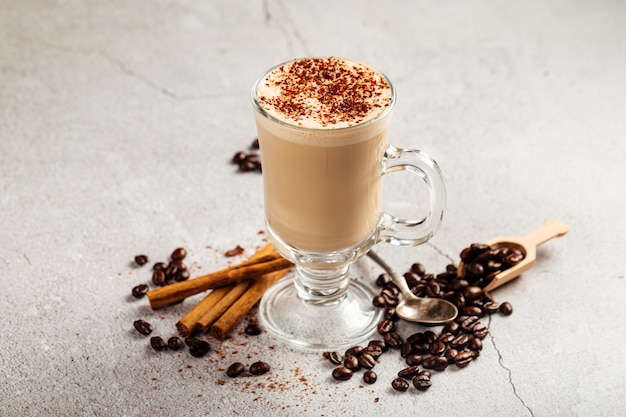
527,245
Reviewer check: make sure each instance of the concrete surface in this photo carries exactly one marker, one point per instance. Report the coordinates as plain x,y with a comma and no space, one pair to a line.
117,123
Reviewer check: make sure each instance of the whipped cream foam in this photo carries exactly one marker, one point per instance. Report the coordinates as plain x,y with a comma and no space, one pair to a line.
323,93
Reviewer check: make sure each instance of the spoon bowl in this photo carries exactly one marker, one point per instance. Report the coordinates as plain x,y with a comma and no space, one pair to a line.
526,245
426,311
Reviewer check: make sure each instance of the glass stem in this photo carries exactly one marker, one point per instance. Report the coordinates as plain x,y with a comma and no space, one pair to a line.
322,286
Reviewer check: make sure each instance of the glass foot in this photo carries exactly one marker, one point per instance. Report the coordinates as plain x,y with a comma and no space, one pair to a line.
319,326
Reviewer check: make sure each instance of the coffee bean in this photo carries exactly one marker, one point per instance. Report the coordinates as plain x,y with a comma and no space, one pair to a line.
390,314
460,342
171,270
334,357
179,254
182,275
383,280
141,260
393,340
472,291
259,368
474,269
374,351
459,300
385,326
480,331
352,363
140,290
469,323
513,259
367,361
158,277
143,327
235,369
475,344
248,164
422,381
191,340
437,363
418,268
406,349
506,308
463,359
159,266
353,351
433,289
421,348
412,280
342,373
253,329
429,336
239,157
452,327
466,255
400,384
414,359
450,354
473,311
369,377
459,284
416,338
379,344
408,373
491,307
494,265
436,348
445,337
479,248
199,348
174,343
157,343
379,301
390,298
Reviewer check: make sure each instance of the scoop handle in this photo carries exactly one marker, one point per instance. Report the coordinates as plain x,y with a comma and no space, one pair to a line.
551,229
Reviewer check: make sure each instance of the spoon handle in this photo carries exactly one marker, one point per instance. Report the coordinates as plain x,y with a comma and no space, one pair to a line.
397,279
551,229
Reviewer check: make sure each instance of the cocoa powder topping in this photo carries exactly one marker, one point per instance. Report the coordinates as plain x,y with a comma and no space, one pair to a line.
324,93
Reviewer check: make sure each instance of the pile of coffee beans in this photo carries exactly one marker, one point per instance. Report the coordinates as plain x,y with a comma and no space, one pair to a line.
248,161
163,273
457,344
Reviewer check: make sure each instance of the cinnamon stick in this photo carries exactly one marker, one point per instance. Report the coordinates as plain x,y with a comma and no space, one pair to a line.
211,316
192,322
188,324
170,294
240,308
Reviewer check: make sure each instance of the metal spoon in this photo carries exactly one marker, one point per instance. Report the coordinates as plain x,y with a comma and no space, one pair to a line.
527,245
426,311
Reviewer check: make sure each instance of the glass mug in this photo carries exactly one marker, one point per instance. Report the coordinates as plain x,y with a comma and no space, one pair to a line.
322,184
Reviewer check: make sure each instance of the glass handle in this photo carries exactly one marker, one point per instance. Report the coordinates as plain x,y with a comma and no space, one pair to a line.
413,232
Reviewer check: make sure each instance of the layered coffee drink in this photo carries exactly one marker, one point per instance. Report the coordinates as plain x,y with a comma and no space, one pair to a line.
323,125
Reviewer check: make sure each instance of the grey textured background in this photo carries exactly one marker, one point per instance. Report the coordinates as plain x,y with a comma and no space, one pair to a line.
117,123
